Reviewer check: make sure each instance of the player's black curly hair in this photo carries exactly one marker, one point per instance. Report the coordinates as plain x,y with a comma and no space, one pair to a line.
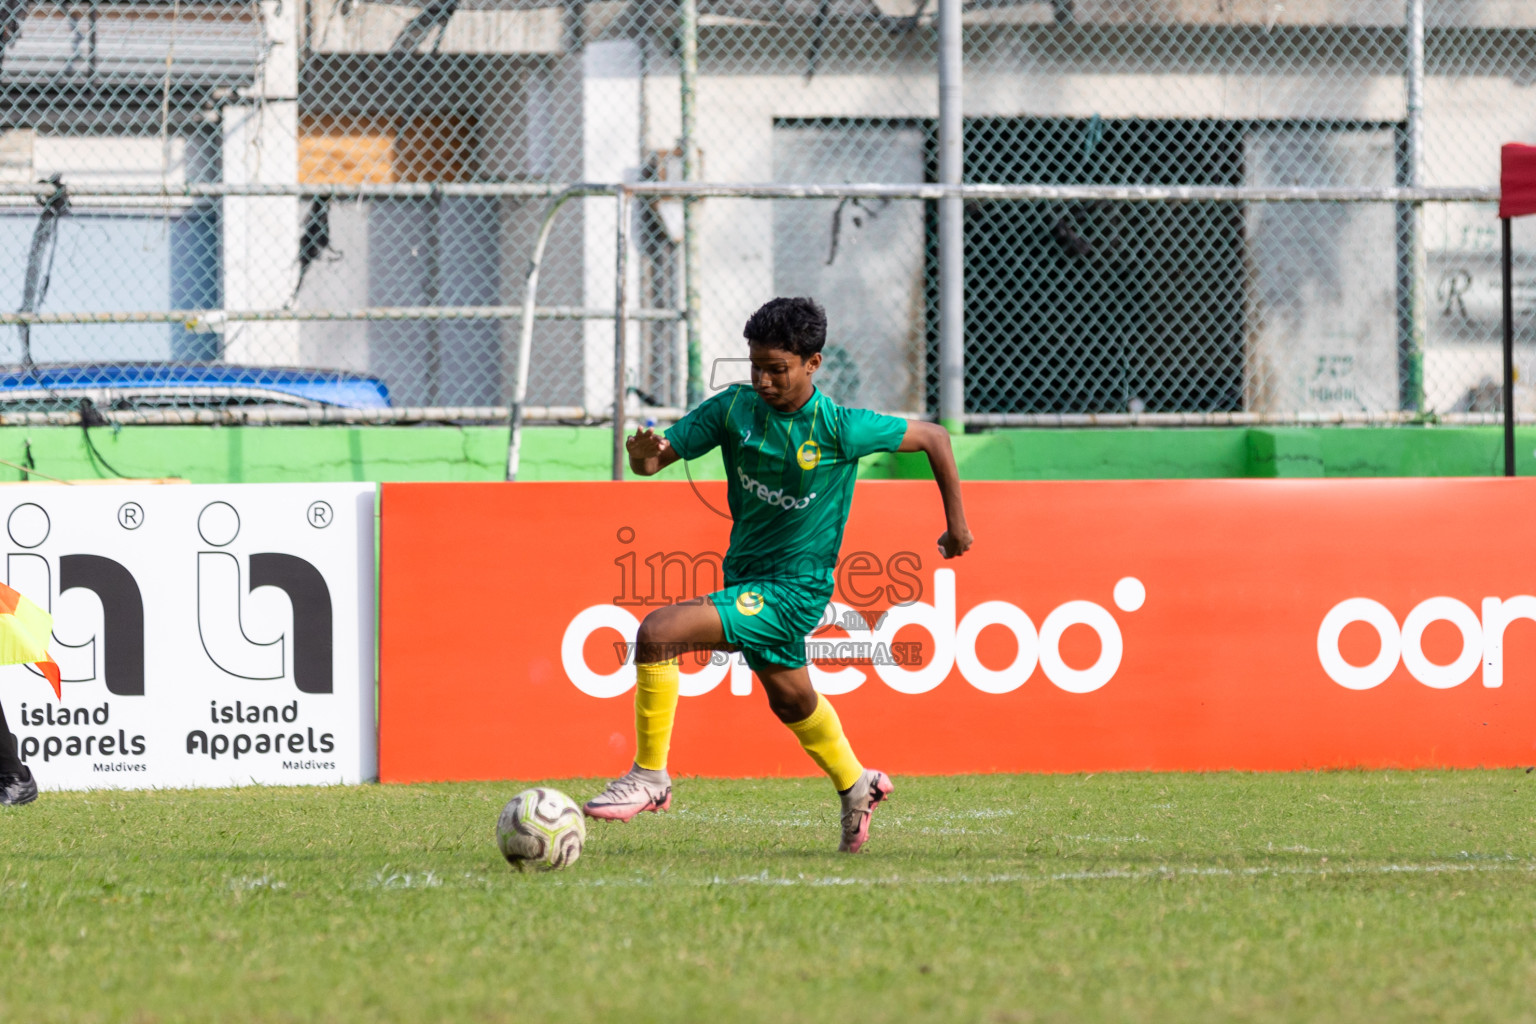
797,325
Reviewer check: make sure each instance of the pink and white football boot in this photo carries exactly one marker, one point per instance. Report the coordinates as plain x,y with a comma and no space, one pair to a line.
859,802
639,789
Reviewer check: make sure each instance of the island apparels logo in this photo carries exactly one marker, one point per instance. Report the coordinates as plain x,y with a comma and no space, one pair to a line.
221,618
221,627
115,654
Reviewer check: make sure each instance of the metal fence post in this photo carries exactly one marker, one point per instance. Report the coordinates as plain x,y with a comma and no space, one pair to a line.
951,224
620,329
688,29
1418,304
1508,291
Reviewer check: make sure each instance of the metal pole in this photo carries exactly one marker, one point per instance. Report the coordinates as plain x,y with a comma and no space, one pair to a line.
434,353
688,29
1509,351
951,224
1418,305
525,336
620,331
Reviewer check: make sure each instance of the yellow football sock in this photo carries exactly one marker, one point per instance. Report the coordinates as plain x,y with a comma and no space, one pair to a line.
822,737
655,708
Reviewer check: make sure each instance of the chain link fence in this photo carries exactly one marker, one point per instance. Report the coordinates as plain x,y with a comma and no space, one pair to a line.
301,209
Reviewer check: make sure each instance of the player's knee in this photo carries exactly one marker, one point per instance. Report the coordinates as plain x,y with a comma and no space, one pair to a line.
792,707
653,629
781,710
656,639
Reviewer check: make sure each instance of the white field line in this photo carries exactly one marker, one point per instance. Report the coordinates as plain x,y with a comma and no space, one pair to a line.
763,878
920,823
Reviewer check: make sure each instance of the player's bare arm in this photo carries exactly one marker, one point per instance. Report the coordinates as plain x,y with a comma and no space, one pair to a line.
649,452
933,440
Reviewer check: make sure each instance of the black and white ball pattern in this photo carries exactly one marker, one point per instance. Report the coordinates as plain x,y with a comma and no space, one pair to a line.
541,828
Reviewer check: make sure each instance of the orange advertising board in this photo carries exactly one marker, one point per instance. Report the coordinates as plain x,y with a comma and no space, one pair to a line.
1128,625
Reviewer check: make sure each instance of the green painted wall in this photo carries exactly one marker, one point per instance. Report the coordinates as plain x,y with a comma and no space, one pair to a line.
273,454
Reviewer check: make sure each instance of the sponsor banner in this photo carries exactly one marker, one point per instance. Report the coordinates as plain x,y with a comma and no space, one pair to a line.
207,635
1164,625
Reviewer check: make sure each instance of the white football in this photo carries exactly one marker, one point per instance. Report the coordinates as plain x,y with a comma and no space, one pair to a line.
541,828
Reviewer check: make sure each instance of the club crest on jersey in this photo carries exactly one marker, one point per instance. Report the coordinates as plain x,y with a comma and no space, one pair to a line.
808,455
749,602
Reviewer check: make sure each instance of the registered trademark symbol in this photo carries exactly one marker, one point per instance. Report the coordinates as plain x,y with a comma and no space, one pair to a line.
130,515
319,515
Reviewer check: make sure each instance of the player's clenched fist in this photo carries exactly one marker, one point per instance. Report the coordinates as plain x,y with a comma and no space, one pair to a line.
953,543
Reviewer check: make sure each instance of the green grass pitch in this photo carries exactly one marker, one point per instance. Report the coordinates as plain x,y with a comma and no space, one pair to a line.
1340,896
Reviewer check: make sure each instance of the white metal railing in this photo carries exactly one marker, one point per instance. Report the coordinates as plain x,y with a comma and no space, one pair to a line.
768,190
237,415
214,319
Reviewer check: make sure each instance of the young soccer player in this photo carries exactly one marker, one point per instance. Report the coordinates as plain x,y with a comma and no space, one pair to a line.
791,455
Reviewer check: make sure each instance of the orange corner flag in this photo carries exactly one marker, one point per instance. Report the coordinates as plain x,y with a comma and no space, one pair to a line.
25,630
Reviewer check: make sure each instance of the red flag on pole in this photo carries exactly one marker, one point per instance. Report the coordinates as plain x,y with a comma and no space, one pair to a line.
1517,180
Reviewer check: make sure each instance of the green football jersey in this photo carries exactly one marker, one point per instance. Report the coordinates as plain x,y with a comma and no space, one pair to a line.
790,476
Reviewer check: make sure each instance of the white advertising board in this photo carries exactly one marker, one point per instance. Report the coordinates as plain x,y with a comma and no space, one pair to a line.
207,635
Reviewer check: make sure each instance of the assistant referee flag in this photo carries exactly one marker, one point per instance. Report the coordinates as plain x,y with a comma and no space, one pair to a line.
25,630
